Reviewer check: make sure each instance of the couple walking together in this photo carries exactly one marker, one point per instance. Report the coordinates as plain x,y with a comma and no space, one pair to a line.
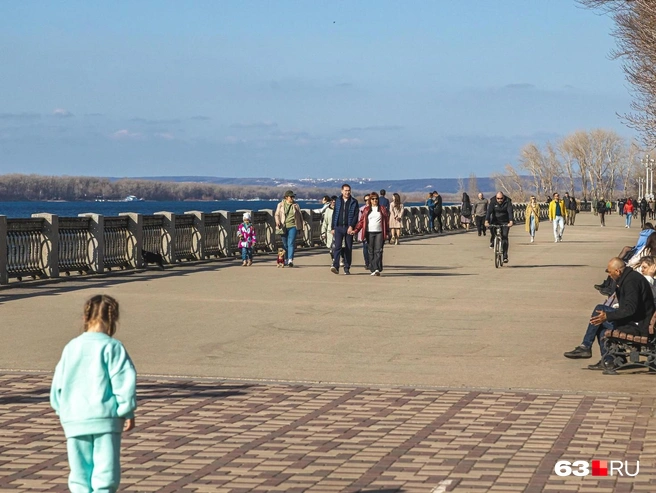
347,221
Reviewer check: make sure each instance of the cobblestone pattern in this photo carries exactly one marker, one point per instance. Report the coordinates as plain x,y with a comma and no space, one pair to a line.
205,436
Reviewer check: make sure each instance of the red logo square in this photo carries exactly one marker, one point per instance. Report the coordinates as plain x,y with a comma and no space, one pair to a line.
600,468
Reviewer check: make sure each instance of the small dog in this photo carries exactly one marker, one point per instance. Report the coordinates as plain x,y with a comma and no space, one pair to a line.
152,258
281,258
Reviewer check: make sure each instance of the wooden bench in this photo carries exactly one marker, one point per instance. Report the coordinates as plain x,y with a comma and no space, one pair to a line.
629,351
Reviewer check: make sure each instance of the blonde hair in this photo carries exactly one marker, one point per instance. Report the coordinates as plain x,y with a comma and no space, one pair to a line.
102,309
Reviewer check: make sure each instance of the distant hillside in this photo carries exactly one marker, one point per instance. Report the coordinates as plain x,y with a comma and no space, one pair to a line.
442,185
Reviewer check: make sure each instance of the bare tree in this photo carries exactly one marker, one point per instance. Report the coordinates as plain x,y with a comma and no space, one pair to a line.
635,32
461,186
472,185
511,184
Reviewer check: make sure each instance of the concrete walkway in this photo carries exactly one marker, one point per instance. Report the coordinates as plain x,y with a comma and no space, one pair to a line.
443,373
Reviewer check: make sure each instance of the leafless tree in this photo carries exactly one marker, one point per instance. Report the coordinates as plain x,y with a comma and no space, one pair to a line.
511,184
472,186
635,32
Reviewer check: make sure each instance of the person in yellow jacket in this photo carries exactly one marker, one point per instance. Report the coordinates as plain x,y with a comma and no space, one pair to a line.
557,214
532,217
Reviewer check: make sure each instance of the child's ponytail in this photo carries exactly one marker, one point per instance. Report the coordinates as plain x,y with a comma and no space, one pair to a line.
101,309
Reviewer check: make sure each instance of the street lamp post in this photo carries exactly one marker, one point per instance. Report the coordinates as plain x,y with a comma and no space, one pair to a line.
648,163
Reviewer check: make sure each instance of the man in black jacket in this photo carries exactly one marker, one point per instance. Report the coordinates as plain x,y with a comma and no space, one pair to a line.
437,200
500,213
632,315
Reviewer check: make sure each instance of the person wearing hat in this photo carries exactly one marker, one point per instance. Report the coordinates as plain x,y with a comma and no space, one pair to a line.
289,221
247,239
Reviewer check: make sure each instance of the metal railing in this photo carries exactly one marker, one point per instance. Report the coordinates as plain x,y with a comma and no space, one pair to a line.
46,246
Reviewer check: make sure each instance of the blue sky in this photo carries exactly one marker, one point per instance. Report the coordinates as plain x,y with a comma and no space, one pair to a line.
378,89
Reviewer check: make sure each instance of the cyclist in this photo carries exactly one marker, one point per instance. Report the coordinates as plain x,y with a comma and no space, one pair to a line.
500,213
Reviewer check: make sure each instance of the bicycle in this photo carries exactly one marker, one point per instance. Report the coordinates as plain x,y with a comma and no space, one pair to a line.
498,249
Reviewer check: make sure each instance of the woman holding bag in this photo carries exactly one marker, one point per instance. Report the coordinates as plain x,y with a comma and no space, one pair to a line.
289,220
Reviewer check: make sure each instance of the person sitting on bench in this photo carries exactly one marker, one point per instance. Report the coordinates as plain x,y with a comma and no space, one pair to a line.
632,315
607,287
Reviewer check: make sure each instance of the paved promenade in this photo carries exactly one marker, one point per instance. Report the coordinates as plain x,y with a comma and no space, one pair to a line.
445,374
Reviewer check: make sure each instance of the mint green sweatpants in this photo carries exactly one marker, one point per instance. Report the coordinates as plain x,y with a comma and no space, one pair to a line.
95,462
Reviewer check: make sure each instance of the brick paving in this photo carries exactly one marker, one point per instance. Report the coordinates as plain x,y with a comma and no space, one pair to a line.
207,435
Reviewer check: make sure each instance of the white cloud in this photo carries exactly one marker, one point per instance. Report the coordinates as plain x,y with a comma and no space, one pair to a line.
124,134
165,135
347,142
61,113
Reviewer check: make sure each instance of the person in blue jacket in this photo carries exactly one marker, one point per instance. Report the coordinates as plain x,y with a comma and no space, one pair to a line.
94,393
345,219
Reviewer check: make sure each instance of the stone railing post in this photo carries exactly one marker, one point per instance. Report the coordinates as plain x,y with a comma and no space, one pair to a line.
135,239
96,247
198,234
50,249
226,239
306,237
271,227
4,275
168,236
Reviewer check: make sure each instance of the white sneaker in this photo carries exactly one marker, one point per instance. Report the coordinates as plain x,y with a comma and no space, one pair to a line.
532,239
341,263
556,240
376,273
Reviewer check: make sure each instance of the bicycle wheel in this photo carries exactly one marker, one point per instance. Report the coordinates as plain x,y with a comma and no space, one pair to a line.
498,261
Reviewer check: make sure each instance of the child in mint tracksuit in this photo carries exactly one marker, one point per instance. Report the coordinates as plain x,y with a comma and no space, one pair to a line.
94,393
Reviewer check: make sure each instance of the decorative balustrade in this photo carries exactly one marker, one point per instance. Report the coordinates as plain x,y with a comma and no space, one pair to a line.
46,245
118,242
25,243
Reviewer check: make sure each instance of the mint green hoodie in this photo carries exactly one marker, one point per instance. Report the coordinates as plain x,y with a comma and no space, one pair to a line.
94,386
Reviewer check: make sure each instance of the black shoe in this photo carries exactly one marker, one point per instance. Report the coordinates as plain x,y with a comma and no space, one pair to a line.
347,271
599,365
334,270
505,260
579,352
366,267
608,291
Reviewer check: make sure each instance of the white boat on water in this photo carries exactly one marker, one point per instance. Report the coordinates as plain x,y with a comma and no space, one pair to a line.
132,198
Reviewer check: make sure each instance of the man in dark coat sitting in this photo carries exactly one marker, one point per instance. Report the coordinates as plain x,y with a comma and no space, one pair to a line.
632,316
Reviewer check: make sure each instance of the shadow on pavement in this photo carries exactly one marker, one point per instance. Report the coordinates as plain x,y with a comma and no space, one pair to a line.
62,285
176,390
26,397
546,265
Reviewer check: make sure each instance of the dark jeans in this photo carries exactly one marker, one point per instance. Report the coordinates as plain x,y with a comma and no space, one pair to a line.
438,219
597,331
602,218
431,220
375,242
480,225
342,237
365,252
504,238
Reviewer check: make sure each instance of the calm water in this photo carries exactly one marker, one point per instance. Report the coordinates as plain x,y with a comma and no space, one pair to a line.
69,209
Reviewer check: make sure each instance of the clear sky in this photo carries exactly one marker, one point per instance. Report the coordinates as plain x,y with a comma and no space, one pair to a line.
312,88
